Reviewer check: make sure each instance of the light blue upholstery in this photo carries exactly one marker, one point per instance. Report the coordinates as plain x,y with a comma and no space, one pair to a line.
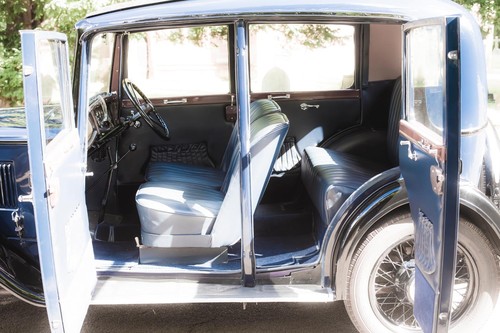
185,214
187,173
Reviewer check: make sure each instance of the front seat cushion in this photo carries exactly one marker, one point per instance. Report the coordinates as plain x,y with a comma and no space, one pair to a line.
176,209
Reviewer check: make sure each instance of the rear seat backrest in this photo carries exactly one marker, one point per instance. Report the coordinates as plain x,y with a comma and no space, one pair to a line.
395,113
331,176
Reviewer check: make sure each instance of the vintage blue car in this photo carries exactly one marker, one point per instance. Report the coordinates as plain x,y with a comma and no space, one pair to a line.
258,151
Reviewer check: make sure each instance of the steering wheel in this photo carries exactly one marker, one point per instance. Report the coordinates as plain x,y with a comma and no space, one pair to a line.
146,110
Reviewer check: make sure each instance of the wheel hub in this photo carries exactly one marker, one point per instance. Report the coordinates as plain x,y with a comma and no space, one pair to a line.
405,282
393,293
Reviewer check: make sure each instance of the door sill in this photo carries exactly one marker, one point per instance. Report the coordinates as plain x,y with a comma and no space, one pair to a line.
119,290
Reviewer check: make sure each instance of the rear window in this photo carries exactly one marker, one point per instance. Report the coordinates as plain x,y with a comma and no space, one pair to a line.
301,57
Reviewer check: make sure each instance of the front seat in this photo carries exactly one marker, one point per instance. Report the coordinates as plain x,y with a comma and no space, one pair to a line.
198,174
178,214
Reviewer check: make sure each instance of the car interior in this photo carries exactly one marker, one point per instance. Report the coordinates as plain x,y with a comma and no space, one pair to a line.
165,195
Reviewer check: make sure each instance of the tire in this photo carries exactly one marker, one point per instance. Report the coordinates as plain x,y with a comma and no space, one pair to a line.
389,308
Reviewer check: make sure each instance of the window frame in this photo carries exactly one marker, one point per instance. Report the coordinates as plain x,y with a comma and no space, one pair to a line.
352,92
191,99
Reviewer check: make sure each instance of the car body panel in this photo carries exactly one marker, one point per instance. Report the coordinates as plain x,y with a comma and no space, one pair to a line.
423,155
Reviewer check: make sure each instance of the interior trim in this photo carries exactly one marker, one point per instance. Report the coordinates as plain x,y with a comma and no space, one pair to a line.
313,95
190,100
426,140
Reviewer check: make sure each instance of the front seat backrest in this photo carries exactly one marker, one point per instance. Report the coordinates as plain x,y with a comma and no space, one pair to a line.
266,137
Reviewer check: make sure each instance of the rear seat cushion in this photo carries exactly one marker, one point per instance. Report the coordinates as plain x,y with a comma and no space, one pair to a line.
330,177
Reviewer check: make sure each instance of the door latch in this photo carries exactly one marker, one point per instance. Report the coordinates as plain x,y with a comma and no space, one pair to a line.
437,179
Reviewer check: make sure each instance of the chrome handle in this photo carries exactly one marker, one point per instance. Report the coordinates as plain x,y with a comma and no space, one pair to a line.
285,96
177,101
411,154
305,106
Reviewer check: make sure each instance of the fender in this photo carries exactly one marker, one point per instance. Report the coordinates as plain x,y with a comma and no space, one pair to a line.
12,283
375,200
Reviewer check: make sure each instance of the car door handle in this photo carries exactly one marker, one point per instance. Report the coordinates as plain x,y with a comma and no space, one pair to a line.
412,155
285,96
176,101
305,106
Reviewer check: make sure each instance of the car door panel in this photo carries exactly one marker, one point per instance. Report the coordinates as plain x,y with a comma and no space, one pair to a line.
57,164
430,161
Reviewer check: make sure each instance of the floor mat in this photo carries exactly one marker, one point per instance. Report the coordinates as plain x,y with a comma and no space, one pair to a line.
289,250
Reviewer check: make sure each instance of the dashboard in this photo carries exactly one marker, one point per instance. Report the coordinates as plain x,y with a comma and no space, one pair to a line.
100,119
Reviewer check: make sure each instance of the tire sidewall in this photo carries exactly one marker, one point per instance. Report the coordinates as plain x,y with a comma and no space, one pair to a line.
387,237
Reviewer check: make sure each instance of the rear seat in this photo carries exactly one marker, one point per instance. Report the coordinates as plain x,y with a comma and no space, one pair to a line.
330,177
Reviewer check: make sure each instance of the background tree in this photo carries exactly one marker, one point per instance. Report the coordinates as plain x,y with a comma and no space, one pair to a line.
488,12
15,15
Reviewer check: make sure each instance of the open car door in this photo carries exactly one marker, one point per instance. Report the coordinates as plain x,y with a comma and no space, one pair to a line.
430,161
58,178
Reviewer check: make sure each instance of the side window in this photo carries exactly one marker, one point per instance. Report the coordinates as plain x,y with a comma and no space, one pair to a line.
56,105
180,62
301,57
425,77
101,61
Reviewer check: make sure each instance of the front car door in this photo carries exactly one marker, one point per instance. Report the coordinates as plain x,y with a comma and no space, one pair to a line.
57,165
429,159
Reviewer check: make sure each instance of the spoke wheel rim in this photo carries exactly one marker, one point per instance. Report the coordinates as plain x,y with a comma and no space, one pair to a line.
391,285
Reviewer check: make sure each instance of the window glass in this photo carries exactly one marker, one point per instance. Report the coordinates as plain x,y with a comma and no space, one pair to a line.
52,64
54,82
425,77
180,62
301,57
101,61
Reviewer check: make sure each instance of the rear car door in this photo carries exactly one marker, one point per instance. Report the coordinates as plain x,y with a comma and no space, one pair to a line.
430,160
57,165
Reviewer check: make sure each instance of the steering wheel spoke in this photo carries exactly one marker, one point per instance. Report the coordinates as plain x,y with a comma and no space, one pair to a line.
146,109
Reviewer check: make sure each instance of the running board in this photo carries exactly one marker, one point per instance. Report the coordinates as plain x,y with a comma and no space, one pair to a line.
119,290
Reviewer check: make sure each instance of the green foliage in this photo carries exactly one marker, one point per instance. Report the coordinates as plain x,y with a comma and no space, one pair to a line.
488,10
310,35
197,35
11,80
15,15
61,15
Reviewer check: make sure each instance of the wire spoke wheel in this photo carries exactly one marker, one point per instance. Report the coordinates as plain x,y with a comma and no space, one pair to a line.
393,285
380,287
